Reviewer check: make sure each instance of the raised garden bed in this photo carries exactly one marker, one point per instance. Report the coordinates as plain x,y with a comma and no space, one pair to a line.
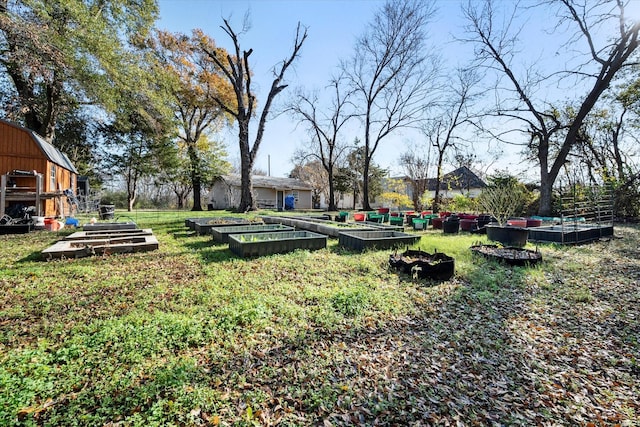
508,255
378,226
423,265
205,227
225,220
221,234
259,244
378,239
102,226
570,234
83,248
108,234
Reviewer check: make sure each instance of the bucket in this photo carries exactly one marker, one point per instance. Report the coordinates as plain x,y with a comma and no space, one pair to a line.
106,211
72,222
51,224
38,222
517,222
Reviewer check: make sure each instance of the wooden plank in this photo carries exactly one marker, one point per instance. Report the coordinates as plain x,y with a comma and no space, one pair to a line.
84,248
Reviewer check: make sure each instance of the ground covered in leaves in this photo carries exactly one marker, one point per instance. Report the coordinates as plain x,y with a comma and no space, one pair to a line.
192,335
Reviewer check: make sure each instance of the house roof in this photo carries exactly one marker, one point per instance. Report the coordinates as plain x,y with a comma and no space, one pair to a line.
276,183
461,178
50,152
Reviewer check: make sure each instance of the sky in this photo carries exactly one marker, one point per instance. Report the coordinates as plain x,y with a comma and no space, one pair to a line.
333,26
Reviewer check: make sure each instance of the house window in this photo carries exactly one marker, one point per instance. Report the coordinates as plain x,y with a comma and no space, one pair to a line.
53,177
295,195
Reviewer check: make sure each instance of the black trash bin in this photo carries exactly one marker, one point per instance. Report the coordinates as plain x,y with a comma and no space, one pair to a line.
451,224
107,211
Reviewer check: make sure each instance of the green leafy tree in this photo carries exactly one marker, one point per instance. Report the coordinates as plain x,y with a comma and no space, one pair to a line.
139,144
350,177
198,84
61,53
76,137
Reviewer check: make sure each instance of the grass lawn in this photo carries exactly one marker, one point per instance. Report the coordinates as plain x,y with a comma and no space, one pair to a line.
192,335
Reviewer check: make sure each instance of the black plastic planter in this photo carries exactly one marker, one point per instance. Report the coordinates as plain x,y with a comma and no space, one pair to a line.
508,236
436,266
508,255
451,225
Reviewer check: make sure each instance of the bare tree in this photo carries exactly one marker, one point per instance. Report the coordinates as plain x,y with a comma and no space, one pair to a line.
448,119
416,163
497,51
237,70
315,174
325,146
390,72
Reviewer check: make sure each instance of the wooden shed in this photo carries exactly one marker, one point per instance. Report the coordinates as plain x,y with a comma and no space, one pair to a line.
34,172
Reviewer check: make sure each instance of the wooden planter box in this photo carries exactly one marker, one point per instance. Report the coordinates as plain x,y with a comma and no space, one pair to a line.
221,234
108,234
259,244
103,226
361,240
83,248
508,255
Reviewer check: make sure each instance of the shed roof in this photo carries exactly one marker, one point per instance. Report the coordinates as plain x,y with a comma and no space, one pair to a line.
276,183
53,154
50,152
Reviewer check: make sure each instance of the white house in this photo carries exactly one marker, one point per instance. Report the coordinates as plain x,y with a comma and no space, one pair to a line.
269,192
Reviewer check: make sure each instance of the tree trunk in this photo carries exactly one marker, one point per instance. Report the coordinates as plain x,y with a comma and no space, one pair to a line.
196,179
415,197
246,164
436,199
332,192
355,194
197,195
365,185
545,208
246,194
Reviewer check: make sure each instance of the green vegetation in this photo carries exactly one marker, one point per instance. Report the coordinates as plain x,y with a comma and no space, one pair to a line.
192,335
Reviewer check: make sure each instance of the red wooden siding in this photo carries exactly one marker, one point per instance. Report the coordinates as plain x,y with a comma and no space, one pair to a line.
19,151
